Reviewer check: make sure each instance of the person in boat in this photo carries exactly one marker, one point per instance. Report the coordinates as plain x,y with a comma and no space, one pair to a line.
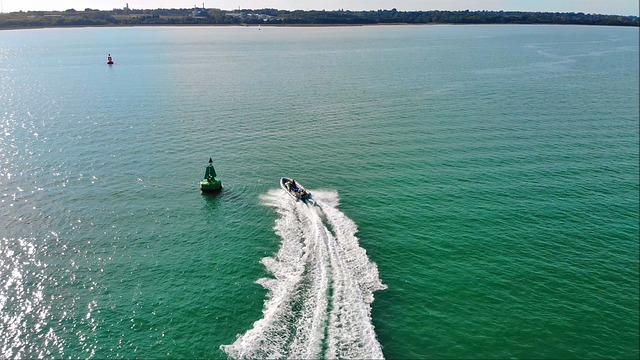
293,187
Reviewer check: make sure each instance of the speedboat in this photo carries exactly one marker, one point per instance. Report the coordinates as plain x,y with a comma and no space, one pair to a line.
294,189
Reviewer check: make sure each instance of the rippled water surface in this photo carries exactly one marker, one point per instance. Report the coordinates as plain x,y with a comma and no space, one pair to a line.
475,192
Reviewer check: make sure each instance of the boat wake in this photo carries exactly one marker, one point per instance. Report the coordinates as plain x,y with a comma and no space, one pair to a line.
319,300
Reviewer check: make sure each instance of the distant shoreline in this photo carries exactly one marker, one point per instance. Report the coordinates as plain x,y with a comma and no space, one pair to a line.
274,25
299,18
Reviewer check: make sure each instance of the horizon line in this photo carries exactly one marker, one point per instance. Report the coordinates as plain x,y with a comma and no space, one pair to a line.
231,10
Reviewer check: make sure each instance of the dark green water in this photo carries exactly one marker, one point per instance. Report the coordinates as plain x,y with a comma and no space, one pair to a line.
476,192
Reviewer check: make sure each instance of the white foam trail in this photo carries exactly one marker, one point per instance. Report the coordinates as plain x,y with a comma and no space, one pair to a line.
319,300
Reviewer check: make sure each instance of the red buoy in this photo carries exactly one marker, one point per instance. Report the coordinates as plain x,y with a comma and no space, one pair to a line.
109,59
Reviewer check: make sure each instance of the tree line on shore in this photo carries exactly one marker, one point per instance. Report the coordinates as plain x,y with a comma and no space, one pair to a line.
196,16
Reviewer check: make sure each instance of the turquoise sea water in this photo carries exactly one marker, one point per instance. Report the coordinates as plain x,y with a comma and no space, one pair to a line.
476,192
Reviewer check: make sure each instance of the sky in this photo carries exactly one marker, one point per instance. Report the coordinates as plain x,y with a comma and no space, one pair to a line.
613,7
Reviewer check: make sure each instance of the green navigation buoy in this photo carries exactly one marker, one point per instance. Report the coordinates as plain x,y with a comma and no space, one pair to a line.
210,183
